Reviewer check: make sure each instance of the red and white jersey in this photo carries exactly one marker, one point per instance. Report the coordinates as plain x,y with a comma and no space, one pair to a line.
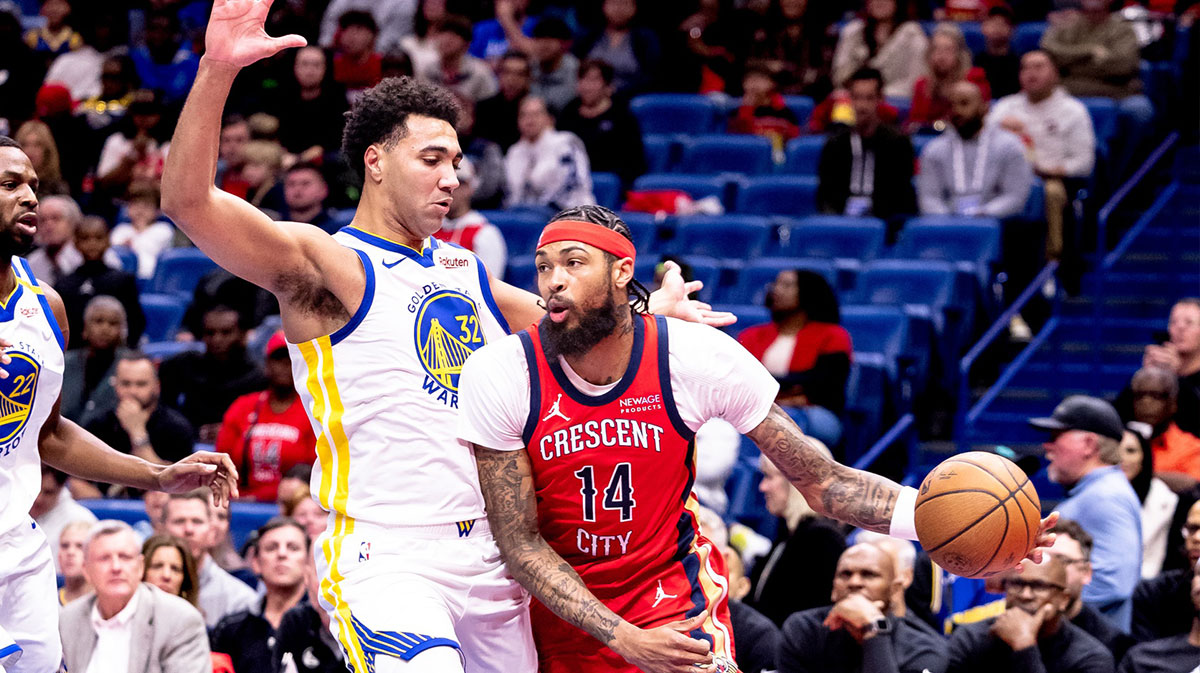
614,465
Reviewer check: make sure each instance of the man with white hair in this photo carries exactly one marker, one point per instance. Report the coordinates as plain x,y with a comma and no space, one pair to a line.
464,226
56,255
128,626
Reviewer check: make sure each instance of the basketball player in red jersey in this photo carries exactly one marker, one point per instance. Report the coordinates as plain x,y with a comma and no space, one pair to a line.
583,427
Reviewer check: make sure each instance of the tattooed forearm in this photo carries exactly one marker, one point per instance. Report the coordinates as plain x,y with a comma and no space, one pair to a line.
507,483
859,498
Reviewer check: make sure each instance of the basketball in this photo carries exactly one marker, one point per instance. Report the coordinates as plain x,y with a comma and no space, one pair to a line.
977,514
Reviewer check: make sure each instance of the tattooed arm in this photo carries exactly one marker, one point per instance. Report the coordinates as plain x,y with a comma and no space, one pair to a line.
839,492
507,482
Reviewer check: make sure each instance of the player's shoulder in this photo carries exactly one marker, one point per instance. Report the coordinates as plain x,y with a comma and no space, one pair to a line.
683,335
503,354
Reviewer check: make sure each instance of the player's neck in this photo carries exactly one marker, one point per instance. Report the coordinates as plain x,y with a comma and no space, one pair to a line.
607,361
8,279
373,216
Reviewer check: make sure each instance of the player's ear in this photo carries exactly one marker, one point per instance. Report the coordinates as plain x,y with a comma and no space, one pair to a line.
622,272
372,163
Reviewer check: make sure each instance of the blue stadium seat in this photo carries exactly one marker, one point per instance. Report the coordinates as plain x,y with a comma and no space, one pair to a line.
971,243
801,106
707,269
129,262
1027,37
973,33
675,113
606,187
723,236
661,152
163,312
520,272
752,280
878,329
244,517
750,155
695,186
804,154
833,237
165,350
179,270
791,195
644,229
868,401
1103,112
747,316
520,228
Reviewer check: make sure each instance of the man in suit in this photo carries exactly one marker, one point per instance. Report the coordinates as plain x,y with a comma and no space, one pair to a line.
128,626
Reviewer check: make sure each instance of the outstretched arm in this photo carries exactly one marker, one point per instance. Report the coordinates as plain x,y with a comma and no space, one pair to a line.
506,479
66,446
839,492
273,255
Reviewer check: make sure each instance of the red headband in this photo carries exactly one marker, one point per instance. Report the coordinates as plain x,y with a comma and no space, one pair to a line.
586,232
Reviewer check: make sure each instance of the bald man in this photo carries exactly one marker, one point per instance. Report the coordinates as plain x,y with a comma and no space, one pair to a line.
970,170
1156,403
858,632
1033,635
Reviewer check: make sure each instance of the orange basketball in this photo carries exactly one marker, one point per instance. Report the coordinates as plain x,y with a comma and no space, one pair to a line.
977,514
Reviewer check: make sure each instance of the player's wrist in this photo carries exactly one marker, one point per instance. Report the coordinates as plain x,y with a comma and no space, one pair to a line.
904,515
624,638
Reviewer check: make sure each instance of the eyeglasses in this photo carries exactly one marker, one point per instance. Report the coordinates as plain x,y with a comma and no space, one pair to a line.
1038,587
1072,561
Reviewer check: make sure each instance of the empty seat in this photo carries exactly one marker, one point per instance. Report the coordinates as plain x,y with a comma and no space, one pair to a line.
706,269
695,186
163,312
521,272
644,229
1103,112
520,228
878,329
723,236
791,195
755,276
868,402
179,270
971,243
127,256
660,152
902,282
606,187
833,237
751,155
675,113
801,106
804,154
1027,37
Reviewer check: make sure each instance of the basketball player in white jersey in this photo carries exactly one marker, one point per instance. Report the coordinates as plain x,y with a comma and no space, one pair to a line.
33,329
380,318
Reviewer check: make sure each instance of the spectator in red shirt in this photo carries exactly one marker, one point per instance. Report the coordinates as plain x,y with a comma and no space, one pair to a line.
763,111
806,349
949,62
356,66
267,433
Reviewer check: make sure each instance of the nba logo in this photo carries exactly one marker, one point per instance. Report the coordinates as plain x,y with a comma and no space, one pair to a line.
364,551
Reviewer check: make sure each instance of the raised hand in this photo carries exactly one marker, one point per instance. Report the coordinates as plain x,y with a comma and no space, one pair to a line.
671,299
1045,540
203,468
237,36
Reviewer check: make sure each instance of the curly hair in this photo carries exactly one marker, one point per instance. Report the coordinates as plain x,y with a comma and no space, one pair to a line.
639,296
380,113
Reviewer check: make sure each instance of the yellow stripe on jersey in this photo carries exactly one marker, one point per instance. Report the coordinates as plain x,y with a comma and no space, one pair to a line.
313,384
713,586
333,452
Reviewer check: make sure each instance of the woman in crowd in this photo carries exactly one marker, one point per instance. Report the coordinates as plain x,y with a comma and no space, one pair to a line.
1158,500
169,566
302,507
794,40
70,561
884,39
38,144
949,62
806,349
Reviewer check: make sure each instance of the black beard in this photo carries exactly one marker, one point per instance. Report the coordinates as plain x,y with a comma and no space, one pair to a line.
15,244
970,128
594,325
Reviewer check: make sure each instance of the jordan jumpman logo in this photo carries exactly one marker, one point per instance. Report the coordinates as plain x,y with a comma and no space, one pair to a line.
554,411
661,595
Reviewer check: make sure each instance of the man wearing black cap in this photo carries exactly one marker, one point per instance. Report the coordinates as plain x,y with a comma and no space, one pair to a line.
1083,452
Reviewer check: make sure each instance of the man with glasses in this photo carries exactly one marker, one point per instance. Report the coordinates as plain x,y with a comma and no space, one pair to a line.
1083,451
1177,653
1161,606
1033,634
1073,545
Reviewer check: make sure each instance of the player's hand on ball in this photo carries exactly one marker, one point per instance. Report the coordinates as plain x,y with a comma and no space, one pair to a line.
203,468
671,299
665,649
1044,542
236,33
1018,628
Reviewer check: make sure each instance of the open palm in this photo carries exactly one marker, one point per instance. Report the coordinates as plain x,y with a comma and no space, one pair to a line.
236,34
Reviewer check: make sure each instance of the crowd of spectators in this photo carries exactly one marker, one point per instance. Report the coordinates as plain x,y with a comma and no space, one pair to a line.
914,123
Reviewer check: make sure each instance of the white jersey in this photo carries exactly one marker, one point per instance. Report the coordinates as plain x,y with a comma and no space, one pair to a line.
382,391
28,394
